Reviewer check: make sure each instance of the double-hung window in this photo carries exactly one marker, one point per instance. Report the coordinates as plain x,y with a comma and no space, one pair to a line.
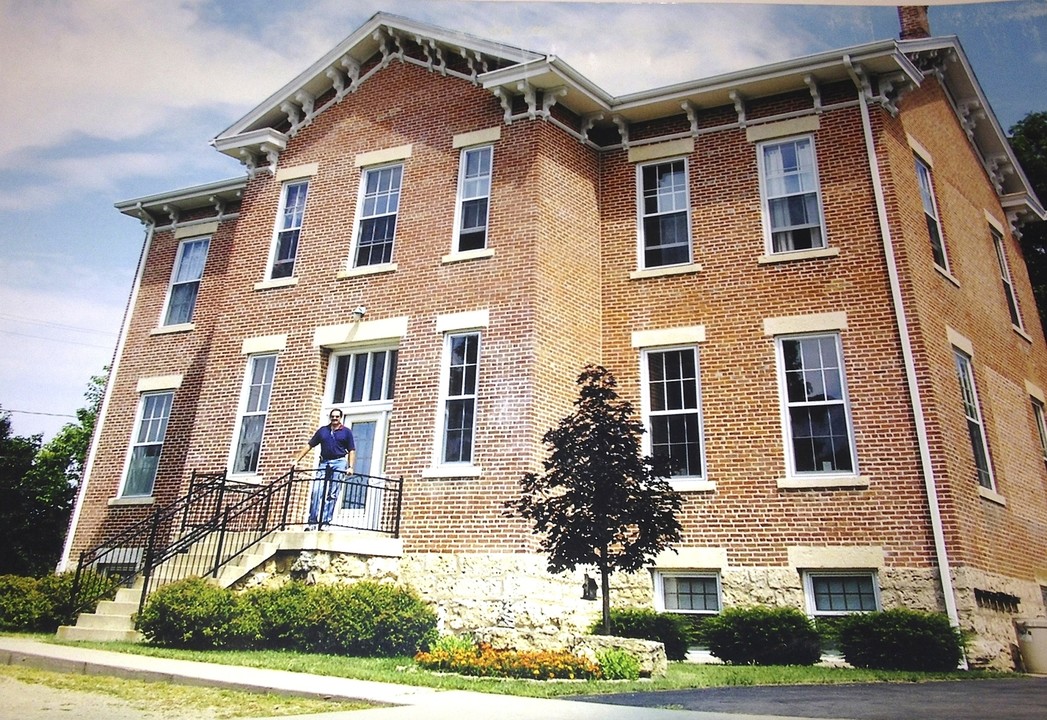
665,226
1041,425
185,280
254,407
379,205
1005,278
791,195
930,212
474,193
973,416
674,410
817,418
841,593
154,410
459,401
288,228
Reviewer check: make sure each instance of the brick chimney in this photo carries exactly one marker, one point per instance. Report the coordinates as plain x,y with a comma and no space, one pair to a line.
914,22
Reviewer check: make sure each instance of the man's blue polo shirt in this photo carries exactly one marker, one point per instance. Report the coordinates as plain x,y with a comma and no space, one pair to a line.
333,445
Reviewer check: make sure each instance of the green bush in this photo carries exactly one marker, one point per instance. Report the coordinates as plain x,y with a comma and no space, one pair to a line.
22,605
763,636
276,618
453,644
618,664
369,619
900,639
670,629
58,589
192,614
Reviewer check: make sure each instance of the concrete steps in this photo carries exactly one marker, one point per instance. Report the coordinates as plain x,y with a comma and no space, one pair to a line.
113,620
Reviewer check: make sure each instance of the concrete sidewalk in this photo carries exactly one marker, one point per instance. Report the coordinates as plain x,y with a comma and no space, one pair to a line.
405,702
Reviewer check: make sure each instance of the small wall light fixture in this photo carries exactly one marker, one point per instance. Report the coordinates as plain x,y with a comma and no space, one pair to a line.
359,312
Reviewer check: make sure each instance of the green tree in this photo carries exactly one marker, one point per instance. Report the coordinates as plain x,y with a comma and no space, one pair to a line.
599,502
38,484
1029,140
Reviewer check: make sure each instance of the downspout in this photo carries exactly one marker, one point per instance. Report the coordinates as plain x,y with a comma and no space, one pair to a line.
927,468
63,563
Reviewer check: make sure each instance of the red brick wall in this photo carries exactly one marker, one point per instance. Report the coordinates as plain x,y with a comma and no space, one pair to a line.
563,232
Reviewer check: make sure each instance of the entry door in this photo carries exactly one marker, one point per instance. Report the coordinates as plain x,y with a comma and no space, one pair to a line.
360,504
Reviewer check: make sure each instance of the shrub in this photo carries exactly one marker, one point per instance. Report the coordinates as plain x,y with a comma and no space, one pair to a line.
618,664
672,630
763,636
900,639
192,614
58,589
453,643
369,619
276,618
22,605
484,661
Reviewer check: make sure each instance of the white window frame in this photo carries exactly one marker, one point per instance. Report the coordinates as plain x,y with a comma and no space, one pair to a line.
366,403
363,216
647,411
245,410
642,214
468,195
964,364
165,316
766,198
660,577
811,599
446,398
156,439
1039,416
286,223
785,405
1010,296
925,182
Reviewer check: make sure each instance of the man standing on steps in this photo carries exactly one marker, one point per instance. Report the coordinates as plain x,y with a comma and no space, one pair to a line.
337,458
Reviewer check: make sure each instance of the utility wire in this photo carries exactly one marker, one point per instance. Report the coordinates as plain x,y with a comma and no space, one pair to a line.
60,326
64,341
33,412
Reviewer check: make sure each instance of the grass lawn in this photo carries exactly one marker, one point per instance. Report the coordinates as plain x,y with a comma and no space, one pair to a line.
403,670
205,703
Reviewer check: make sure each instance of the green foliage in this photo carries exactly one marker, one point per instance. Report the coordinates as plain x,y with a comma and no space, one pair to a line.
369,619
453,643
761,635
672,630
58,588
364,619
192,614
42,604
598,501
22,605
618,664
37,487
276,617
900,639
484,661
1029,141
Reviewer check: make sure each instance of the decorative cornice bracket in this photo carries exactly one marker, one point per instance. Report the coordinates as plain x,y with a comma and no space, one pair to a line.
692,115
816,95
506,101
549,98
530,97
623,129
739,107
587,124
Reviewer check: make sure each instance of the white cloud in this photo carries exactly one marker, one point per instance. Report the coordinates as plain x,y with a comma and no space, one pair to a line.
116,69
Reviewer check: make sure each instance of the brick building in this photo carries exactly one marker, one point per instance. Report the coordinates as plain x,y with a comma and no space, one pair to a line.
805,276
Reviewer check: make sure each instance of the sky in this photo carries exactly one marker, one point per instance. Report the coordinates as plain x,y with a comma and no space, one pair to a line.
109,100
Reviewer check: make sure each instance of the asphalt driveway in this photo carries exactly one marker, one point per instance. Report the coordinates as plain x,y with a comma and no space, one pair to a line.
1010,699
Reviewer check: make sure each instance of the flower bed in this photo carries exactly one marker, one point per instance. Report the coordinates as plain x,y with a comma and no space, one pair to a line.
485,661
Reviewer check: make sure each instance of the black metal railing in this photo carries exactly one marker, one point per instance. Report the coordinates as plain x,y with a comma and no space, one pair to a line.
219,520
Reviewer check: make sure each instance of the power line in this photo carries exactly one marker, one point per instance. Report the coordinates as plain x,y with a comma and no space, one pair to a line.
60,326
33,412
64,341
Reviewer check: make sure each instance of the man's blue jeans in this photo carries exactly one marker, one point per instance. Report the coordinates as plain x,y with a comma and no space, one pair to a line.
330,476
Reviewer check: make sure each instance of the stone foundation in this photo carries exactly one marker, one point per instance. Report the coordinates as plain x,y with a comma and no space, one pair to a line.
470,592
